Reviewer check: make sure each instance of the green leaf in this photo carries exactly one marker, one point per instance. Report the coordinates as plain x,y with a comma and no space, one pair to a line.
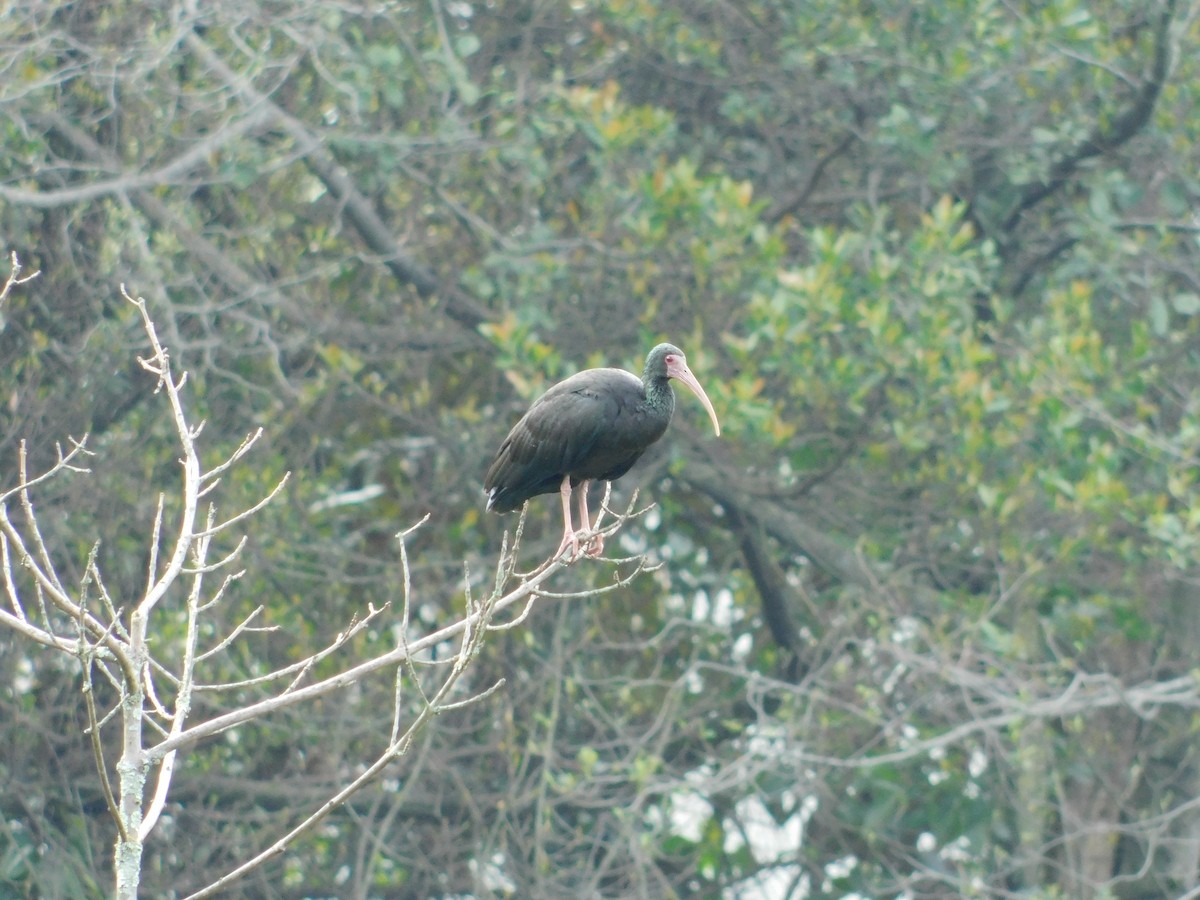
587,757
1159,317
1187,304
466,44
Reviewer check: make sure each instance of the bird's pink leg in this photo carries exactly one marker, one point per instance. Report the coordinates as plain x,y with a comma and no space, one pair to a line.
570,538
595,545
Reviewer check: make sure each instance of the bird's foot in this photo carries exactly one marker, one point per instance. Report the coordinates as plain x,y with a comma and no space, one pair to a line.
569,545
594,546
572,548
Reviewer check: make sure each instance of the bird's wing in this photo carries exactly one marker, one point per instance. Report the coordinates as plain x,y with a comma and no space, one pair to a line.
560,429
564,423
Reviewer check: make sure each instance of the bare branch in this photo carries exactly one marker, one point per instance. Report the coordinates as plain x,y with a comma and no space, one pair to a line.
46,585
460,306
10,586
38,635
397,748
249,512
1113,129
228,720
85,653
155,543
243,448
160,363
110,609
472,700
303,665
219,564
198,154
14,277
238,629
143,711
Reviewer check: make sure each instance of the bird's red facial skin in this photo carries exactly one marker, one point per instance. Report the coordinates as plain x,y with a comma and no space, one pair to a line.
677,368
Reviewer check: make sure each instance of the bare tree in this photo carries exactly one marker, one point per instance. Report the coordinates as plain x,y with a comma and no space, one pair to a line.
155,677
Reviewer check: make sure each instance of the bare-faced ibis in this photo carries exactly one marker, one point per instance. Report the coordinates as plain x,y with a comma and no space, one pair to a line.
594,425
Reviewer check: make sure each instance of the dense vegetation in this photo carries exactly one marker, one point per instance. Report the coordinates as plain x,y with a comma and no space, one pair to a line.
927,619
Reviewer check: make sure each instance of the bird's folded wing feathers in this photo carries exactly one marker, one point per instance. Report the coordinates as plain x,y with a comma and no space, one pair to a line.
556,433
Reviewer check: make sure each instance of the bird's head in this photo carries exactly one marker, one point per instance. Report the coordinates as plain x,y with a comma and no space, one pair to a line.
668,361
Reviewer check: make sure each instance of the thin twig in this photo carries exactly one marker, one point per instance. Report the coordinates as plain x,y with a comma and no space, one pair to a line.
398,745
217,596
406,611
220,563
233,635
155,542
249,512
220,723
85,661
14,276
303,665
237,454
63,463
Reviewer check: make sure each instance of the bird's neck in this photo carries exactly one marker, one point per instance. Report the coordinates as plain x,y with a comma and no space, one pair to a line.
658,393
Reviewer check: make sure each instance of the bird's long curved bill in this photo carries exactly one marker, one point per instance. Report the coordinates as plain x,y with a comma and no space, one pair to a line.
685,376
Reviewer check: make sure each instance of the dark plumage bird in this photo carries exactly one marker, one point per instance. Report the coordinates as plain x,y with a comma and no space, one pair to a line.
594,425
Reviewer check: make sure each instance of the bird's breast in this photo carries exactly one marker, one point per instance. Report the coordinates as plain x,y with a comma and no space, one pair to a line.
619,445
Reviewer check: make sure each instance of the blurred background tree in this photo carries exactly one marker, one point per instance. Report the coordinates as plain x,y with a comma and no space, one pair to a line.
927,620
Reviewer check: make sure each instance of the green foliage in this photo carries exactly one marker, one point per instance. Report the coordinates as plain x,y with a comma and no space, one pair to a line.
945,309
